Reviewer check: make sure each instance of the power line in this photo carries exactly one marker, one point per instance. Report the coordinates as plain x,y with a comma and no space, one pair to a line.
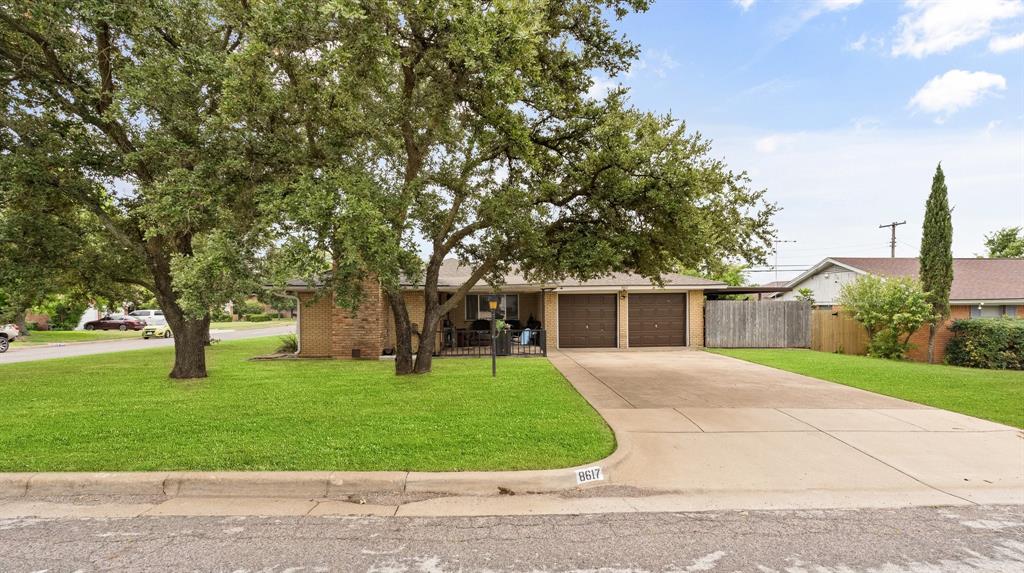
777,243
892,243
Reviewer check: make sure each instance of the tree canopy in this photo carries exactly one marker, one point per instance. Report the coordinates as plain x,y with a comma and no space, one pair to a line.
120,107
1005,243
891,310
470,134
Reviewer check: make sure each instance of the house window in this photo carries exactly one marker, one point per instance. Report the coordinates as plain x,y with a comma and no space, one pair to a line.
477,307
993,310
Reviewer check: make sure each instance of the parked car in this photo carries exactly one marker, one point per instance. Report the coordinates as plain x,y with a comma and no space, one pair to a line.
116,322
157,331
8,333
149,316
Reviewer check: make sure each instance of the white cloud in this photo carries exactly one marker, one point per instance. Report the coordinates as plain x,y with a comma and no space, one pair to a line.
1000,44
955,90
744,4
937,26
858,44
773,143
790,26
600,87
658,62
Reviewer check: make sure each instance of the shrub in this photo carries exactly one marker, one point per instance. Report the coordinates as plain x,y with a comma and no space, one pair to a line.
64,311
218,315
289,344
987,343
890,309
248,308
258,317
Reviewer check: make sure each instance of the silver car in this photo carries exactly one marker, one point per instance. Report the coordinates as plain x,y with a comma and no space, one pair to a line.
152,317
8,333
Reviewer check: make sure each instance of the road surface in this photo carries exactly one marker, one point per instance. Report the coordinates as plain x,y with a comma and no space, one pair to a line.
31,353
933,540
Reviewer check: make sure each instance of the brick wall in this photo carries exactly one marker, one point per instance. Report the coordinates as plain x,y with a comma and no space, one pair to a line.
919,340
549,322
359,333
623,317
695,308
314,325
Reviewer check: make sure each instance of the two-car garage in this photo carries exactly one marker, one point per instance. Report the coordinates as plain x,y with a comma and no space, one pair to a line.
591,320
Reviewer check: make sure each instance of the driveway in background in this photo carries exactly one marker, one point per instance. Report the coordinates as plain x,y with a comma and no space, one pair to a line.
714,426
31,353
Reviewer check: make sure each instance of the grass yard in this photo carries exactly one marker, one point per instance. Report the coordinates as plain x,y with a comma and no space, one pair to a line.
120,412
996,395
38,337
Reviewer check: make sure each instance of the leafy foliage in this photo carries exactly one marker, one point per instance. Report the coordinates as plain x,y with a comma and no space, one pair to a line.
453,131
64,311
805,294
117,111
987,343
1005,243
891,309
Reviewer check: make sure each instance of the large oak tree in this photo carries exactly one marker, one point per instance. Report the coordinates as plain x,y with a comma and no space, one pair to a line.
127,98
474,137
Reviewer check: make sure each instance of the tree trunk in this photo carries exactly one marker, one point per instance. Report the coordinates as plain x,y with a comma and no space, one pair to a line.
189,348
932,328
403,333
190,335
425,353
21,323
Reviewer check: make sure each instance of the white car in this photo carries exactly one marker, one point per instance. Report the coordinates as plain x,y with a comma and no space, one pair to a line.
152,317
8,333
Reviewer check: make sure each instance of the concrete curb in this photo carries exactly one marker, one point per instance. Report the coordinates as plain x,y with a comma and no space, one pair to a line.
299,484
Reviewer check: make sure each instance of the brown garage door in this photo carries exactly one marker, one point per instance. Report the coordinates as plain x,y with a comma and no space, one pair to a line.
657,319
586,321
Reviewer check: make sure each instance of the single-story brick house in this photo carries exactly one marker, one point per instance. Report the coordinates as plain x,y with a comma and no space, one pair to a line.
618,311
981,288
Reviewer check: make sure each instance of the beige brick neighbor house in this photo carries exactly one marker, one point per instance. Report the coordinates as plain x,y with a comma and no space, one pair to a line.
617,311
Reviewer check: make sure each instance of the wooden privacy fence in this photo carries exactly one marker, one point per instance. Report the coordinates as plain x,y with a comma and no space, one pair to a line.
757,324
835,331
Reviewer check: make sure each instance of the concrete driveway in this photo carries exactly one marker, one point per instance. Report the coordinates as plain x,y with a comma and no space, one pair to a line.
737,433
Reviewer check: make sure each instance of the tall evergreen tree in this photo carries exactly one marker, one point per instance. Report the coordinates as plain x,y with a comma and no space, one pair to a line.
937,255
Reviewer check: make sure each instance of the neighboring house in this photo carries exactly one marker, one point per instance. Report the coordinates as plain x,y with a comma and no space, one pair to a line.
981,288
617,311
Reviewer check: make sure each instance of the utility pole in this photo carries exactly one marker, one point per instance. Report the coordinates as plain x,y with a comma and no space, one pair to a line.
777,242
892,242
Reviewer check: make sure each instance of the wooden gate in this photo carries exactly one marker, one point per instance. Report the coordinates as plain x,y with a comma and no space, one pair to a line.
757,324
835,331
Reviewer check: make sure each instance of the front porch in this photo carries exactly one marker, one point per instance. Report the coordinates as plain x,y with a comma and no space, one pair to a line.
466,330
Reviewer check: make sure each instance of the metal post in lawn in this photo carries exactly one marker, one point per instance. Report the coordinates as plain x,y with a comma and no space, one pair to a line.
492,302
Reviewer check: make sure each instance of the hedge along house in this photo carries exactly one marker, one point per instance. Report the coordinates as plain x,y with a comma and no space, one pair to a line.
982,288
617,311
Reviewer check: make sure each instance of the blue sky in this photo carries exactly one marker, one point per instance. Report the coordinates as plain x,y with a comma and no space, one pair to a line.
841,109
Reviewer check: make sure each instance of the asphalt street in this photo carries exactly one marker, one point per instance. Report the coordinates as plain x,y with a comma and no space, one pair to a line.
932,540
31,353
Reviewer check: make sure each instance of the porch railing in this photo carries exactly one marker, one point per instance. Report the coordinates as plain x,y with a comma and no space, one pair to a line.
514,342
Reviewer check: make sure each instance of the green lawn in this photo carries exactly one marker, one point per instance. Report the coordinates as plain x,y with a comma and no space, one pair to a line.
120,412
65,336
996,395
37,337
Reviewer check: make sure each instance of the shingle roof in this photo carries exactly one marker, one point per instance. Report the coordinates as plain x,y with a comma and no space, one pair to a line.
454,274
973,279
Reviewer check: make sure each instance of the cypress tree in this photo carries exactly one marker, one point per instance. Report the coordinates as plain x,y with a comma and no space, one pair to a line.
937,255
